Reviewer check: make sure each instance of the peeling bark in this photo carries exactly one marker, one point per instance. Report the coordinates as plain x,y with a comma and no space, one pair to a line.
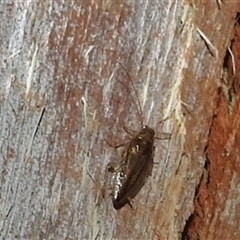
216,214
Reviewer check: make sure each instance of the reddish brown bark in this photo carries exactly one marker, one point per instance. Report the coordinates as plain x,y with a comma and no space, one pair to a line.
63,94
216,214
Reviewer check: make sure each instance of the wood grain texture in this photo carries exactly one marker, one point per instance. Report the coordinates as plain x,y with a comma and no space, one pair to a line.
216,212
61,97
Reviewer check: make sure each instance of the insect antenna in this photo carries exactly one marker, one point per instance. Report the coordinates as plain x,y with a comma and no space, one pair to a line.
139,109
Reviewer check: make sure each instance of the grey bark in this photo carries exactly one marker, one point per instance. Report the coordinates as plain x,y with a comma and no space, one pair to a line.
61,97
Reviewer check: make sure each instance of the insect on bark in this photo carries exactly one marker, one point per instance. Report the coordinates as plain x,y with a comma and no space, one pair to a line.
135,165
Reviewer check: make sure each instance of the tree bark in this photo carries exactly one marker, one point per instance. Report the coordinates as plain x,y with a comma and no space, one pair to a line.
64,94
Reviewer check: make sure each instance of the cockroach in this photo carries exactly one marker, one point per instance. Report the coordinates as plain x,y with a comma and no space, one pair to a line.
135,165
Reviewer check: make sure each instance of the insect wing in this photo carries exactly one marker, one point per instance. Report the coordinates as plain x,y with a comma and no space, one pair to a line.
132,185
136,166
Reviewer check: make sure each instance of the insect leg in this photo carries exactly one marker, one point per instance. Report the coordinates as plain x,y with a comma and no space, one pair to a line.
129,203
116,146
129,131
165,136
111,167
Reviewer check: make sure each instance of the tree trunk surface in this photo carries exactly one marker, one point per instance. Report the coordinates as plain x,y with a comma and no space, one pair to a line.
71,76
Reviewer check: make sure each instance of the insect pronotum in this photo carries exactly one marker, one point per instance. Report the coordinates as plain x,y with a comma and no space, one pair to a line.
135,165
